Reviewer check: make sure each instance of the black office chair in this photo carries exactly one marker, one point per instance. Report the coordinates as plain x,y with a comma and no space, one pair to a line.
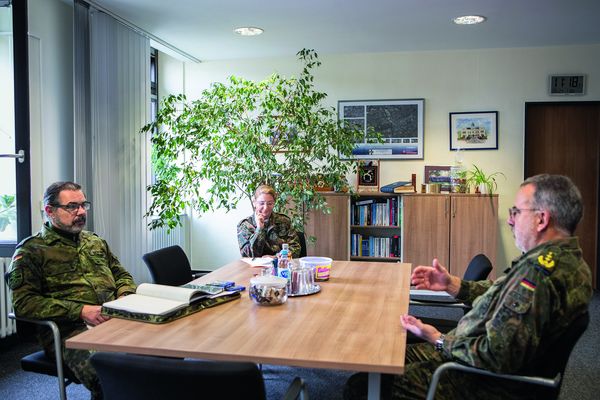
302,240
136,377
38,361
478,269
549,369
170,266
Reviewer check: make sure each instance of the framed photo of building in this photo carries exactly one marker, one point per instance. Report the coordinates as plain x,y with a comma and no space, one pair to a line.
474,130
399,122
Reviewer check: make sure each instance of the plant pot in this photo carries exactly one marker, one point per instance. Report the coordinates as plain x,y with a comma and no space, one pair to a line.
483,188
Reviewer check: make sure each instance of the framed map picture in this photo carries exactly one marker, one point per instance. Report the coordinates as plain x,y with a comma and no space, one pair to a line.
399,122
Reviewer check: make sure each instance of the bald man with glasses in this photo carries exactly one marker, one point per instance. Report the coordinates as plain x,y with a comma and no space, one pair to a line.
64,273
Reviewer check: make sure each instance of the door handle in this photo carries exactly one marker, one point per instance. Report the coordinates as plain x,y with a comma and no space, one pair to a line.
19,156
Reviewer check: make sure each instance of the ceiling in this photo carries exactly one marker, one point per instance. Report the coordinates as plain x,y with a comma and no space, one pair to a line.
204,28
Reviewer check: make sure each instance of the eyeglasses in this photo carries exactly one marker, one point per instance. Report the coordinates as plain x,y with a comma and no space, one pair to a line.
514,211
74,207
265,203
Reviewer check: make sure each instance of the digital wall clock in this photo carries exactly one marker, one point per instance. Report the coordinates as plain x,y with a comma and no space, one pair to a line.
566,85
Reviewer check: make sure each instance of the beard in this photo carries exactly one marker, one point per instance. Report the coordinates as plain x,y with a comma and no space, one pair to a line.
75,226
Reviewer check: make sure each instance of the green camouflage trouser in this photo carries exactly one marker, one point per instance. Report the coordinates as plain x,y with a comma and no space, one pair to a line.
421,362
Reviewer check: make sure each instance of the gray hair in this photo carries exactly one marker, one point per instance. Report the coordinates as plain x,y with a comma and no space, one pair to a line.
53,191
559,195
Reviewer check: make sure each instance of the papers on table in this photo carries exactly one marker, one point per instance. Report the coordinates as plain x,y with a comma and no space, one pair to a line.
258,262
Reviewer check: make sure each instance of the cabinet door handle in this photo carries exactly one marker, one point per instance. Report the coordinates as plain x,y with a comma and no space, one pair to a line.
446,208
453,209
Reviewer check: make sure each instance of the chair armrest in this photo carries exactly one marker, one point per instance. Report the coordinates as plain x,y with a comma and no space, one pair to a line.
57,342
434,299
296,388
197,273
50,324
536,380
435,304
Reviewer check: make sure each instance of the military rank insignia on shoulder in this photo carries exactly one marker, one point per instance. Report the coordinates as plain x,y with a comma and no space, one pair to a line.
545,263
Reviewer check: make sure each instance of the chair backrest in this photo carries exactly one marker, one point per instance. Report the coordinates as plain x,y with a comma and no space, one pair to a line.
554,360
169,266
302,240
478,269
132,377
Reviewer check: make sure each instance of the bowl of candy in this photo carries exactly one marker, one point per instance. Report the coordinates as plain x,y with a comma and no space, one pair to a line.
268,290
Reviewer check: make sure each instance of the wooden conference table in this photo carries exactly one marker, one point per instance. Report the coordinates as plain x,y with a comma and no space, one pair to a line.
352,324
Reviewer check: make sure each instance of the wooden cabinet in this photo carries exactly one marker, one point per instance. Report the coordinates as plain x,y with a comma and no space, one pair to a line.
473,229
426,229
451,227
331,230
454,228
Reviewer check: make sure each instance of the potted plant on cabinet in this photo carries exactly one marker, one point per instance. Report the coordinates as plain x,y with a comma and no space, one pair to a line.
212,152
484,184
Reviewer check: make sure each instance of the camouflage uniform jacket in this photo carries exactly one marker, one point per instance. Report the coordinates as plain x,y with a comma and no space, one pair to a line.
256,242
53,277
515,318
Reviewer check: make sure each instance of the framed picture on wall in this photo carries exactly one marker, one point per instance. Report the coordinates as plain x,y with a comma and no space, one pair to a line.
399,122
476,130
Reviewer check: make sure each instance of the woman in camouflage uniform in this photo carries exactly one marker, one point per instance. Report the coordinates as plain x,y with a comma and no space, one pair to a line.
263,233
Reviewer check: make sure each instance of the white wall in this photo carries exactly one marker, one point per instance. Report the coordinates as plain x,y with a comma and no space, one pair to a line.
51,97
479,80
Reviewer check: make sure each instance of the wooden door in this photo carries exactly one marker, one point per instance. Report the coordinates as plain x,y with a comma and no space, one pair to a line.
563,138
426,228
331,230
473,230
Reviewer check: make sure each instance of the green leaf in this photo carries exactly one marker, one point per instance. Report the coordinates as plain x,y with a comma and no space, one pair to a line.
212,152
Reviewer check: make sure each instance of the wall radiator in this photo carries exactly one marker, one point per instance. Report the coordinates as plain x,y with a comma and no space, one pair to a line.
161,238
7,326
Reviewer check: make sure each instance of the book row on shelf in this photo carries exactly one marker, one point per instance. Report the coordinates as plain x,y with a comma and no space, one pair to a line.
376,212
373,246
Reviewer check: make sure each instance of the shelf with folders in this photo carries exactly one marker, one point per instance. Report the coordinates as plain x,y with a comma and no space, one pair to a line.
380,211
375,227
362,246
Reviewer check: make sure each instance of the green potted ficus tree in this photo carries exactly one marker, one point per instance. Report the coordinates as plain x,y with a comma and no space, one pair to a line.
212,152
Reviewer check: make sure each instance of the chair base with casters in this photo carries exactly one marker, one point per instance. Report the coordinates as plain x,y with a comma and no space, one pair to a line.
550,366
132,377
39,362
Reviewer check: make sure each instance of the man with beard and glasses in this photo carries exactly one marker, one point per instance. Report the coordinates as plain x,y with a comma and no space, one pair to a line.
64,273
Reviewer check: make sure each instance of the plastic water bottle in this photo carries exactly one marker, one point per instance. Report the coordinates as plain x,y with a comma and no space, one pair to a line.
283,263
458,174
